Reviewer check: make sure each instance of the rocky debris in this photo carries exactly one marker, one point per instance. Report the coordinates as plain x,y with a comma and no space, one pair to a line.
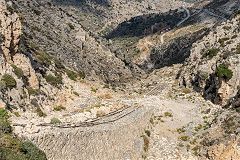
222,139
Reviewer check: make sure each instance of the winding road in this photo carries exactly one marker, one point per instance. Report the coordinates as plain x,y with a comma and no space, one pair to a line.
179,23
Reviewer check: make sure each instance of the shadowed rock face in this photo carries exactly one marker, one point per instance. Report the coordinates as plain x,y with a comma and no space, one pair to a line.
145,25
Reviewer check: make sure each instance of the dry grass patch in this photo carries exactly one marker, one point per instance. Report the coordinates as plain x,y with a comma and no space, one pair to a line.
105,96
100,113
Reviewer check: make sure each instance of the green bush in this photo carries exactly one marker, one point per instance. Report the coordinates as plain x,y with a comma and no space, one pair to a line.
11,148
55,121
76,93
184,138
9,80
222,41
72,75
81,74
203,75
32,152
148,133
16,114
40,112
106,86
71,26
210,53
223,71
54,80
59,64
17,71
238,49
10,154
94,90
237,13
5,126
33,46
3,114
43,57
59,108
227,27
234,36
31,91
2,37
168,114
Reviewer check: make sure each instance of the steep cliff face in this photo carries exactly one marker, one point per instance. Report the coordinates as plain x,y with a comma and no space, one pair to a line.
10,58
60,34
213,66
12,86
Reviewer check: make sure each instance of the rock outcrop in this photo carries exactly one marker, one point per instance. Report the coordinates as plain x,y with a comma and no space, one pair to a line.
10,31
210,59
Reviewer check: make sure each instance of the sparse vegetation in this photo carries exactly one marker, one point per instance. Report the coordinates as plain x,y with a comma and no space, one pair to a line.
82,74
184,138
54,80
199,127
71,26
71,74
181,145
4,114
196,149
227,27
2,37
203,75
9,81
148,133
94,90
222,41
168,114
59,108
76,93
58,64
238,49
31,91
55,121
11,147
100,113
146,143
211,52
151,121
181,130
2,84
16,114
223,71
40,112
43,57
234,36
186,90
237,13
106,86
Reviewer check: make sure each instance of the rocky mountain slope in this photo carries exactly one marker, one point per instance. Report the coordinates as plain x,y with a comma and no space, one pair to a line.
137,79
